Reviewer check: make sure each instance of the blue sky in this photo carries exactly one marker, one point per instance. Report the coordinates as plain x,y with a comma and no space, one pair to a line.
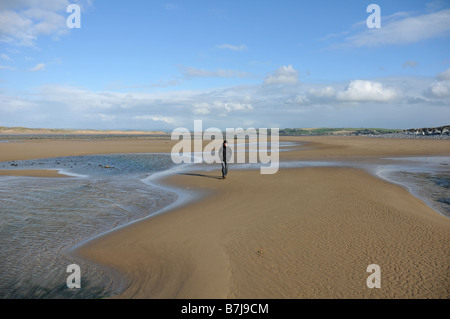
163,64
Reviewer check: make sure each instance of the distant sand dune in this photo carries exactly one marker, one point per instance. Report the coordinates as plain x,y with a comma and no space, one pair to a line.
43,131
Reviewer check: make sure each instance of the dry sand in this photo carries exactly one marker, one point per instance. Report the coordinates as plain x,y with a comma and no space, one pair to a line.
300,233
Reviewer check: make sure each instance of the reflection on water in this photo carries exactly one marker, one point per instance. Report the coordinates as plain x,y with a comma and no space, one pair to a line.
40,217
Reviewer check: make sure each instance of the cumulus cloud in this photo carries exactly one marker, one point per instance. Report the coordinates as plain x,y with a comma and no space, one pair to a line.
361,91
403,29
232,47
283,75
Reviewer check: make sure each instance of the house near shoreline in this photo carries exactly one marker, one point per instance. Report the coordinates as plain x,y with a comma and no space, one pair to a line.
441,130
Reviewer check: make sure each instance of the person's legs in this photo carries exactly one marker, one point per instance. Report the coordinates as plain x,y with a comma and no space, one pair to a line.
224,169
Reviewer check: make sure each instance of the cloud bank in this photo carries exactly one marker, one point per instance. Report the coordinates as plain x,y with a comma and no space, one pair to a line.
389,102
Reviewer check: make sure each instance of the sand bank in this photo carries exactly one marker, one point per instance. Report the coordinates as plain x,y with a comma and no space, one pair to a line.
313,147
32,173
302,233
45,148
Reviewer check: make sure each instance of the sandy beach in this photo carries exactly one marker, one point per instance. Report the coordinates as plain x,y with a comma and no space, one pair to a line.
300,233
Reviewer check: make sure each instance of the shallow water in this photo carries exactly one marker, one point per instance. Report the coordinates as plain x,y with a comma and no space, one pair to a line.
427,178
41,217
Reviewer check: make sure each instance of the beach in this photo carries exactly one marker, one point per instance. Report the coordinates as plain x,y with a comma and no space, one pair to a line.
307,232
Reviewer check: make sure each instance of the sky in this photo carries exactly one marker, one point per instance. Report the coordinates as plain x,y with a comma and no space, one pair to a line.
151,65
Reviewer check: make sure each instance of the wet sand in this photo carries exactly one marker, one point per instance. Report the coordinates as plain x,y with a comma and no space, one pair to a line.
300,233
320,147
32,173
44,148
303,233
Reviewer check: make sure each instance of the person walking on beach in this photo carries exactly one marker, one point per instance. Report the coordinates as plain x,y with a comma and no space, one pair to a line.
225,156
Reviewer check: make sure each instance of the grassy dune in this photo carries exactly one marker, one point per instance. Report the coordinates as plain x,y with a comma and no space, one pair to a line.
45,131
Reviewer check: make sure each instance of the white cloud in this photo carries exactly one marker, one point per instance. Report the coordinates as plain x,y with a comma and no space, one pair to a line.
38,67
220,107
22,22
305,105
46,22
15,28
444,75
283,75
155,118
404,29
440,89
232,47
360,90
189,72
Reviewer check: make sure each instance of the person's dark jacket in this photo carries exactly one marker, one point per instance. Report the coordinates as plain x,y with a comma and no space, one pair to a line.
227,152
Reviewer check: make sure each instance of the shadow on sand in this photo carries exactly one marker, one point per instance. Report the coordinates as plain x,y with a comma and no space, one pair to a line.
202,175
